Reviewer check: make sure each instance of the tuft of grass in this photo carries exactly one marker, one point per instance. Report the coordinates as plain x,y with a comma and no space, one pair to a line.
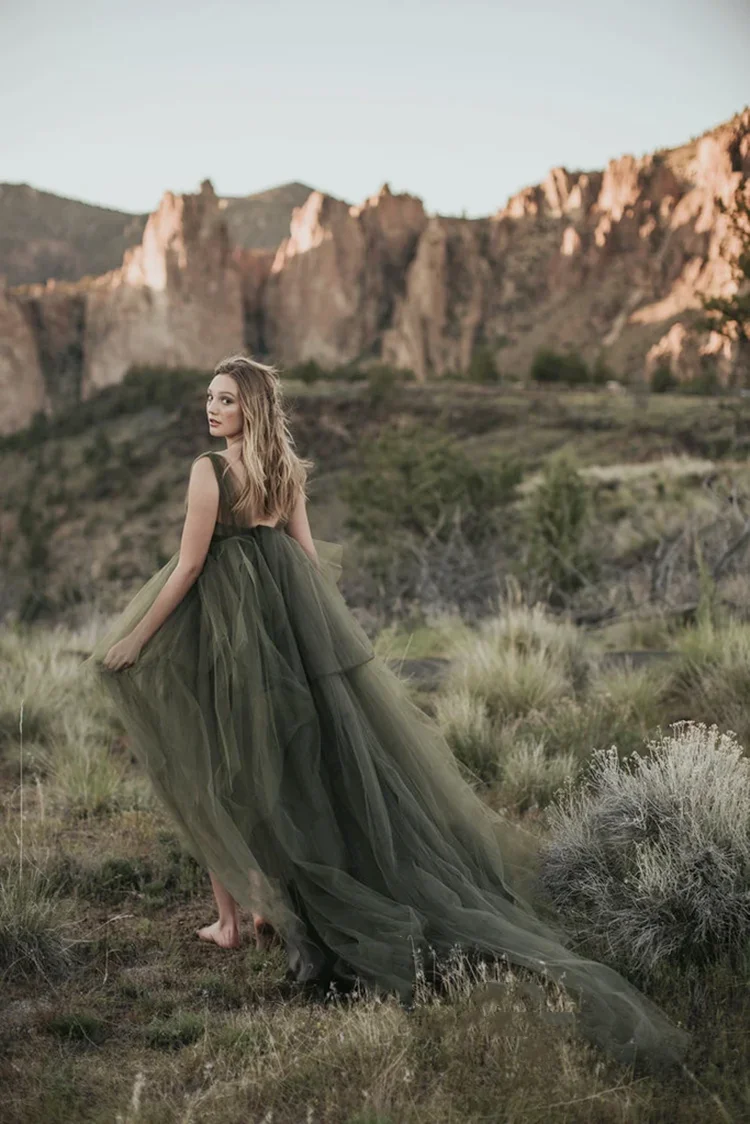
77,1027
530,629
174,1032
84,777
511,683
33,923
711,681
468,729
531,776
438,635
622,707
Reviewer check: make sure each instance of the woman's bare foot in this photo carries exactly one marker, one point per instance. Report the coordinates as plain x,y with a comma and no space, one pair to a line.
226,936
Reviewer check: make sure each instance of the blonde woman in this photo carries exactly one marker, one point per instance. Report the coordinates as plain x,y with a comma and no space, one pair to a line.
294,764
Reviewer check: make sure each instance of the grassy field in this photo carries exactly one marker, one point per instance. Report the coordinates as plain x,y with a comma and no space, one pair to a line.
112,1009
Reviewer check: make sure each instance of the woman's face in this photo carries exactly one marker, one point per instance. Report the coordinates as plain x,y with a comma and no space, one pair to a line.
223,407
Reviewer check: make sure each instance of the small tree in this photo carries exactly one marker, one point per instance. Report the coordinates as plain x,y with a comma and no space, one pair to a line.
482,367
662,379
417,480
557,518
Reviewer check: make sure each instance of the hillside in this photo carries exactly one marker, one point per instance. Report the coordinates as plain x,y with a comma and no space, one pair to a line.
92,503
46,236
43,235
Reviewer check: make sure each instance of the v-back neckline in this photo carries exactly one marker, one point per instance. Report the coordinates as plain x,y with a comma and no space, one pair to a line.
229,472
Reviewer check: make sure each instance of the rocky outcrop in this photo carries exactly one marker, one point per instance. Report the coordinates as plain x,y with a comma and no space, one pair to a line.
254,268
176,301
440,315
22,389
613,263
336,279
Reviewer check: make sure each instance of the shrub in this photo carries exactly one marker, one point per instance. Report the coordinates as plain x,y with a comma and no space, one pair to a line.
556,366
601,372
418,480
99,452
557,517
482,367
705,383
649,860
381,380
308,372
662,379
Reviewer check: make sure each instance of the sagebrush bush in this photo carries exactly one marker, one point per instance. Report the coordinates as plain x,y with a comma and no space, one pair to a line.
649,859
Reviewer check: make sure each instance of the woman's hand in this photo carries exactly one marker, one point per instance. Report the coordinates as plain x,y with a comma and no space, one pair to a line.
124,653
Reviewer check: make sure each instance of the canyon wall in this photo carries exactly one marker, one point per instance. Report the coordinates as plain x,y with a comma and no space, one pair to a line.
176,301
613,263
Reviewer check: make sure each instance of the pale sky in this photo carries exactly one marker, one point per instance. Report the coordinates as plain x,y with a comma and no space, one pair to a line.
460,103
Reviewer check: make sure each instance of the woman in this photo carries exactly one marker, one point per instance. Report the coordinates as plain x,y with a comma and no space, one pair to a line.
296,767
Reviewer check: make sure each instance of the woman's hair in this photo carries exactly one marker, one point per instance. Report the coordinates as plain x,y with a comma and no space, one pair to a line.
275,473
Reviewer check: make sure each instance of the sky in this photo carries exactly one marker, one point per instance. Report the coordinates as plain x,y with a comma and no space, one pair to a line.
462,104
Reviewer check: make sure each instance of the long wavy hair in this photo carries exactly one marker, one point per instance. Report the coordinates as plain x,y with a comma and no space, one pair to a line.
275,473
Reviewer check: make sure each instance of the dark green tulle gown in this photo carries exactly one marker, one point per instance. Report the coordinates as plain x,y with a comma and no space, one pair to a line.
296,767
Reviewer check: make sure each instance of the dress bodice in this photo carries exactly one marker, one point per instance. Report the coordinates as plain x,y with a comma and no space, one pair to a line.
226,522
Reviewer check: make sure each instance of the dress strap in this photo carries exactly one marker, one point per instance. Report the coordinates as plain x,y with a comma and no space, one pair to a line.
220,468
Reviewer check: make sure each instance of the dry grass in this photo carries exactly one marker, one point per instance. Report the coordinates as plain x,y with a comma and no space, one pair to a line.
120,1013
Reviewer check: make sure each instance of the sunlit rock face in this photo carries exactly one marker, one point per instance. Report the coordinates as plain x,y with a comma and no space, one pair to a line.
612,263
176,300
336,279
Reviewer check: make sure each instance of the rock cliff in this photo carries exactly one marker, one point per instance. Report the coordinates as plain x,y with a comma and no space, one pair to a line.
177,300
612,263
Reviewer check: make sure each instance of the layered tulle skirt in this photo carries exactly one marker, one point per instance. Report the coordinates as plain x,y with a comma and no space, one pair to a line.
297,769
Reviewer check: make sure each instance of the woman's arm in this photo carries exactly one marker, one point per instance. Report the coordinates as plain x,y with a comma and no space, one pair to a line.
200,519
299,527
